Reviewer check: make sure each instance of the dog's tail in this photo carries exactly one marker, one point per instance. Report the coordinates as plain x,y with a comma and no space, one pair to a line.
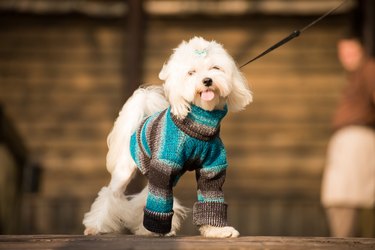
144,102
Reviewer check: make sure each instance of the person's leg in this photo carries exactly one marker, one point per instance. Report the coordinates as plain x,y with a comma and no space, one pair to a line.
343,221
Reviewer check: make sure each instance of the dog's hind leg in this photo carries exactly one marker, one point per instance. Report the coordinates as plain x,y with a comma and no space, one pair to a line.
111,210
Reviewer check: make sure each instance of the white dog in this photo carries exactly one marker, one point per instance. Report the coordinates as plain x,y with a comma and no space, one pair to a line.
165,131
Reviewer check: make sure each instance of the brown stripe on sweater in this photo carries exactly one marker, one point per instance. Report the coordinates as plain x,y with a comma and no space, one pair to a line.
154,132
196,130
210,213
211,194
144,159
162,175
208,182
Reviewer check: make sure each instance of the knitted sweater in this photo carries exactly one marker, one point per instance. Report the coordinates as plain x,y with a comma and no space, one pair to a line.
164,148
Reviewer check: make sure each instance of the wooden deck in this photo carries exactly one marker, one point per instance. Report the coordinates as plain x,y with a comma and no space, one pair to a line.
78,242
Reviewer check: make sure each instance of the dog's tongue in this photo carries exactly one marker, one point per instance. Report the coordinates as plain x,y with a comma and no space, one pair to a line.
207,95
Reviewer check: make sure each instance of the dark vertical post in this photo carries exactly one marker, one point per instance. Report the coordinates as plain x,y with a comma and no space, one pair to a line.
135,44
366,20
369,26
136,26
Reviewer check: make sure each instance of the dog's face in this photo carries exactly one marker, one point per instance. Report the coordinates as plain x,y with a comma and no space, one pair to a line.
203,73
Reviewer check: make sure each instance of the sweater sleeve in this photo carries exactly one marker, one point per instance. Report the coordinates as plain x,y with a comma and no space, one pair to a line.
158,212
211,208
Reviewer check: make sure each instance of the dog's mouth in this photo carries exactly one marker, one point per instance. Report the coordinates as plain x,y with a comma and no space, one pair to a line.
207,95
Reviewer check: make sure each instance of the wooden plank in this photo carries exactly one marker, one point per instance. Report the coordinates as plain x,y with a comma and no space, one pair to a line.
135,242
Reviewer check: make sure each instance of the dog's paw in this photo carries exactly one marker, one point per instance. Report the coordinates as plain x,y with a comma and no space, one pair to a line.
91,231
142,231
170,234
218,232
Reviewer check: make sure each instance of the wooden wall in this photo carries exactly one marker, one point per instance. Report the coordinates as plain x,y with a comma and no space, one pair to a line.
62,81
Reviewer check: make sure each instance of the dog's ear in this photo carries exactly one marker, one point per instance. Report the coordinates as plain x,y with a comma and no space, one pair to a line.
171,75
240,95
179,106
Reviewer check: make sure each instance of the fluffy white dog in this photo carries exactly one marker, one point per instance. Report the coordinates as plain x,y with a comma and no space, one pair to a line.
165,131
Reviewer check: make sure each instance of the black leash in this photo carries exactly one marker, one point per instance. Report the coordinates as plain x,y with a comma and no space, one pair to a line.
293,35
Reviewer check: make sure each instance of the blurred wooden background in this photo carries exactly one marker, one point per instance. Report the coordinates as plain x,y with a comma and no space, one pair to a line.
64,77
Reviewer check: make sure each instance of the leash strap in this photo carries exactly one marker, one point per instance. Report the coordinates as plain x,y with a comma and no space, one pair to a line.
293,35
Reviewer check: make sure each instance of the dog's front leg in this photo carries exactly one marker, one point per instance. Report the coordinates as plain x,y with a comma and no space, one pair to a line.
210,212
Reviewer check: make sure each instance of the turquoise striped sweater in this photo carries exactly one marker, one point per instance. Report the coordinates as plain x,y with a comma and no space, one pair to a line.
165,147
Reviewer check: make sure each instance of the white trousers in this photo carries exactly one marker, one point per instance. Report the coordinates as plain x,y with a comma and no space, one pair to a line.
349,175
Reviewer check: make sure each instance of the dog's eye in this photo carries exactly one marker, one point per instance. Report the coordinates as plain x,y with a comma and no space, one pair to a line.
191,72
216,67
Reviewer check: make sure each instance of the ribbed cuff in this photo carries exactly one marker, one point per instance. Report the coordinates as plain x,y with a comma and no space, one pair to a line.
160,223
210,213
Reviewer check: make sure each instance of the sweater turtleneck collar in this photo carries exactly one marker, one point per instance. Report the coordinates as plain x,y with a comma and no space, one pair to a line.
201,124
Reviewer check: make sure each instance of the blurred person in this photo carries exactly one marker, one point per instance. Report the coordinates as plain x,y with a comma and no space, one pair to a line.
349,177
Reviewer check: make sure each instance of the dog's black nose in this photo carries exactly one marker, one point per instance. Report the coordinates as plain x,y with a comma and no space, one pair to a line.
207,82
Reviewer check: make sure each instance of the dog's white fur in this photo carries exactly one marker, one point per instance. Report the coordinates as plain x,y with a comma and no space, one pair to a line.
183,74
